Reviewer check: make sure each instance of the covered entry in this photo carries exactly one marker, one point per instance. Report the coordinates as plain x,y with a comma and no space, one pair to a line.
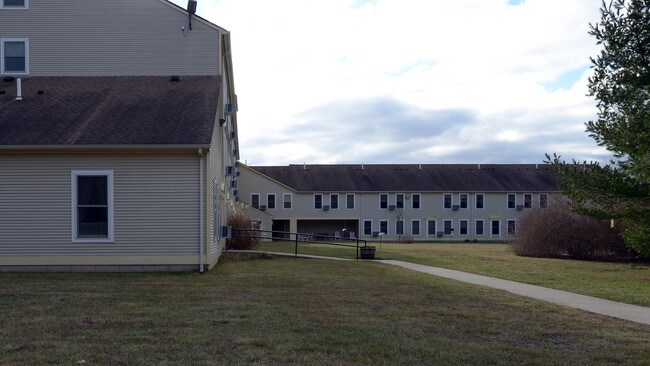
336,228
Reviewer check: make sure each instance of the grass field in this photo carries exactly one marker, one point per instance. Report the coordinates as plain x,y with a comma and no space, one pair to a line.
625,282
295,311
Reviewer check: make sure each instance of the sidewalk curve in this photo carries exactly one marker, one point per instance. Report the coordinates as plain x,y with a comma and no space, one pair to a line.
635,313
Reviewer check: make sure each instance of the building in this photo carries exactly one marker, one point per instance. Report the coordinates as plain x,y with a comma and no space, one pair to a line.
423,202
117,123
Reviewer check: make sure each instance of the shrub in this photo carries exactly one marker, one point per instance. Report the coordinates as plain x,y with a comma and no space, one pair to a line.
244,236
405,239
556,232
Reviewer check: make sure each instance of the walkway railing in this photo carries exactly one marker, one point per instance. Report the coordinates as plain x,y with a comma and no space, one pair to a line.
300,238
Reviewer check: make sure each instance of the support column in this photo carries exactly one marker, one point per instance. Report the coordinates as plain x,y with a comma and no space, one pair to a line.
293,227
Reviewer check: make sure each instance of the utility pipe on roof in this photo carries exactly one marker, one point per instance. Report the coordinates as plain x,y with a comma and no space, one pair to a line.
19,89
200,210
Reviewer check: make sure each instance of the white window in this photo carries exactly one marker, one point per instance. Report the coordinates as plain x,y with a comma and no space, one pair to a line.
480,201
318,201
399,200
216,210
92,206
496,228
270,201
415,202
383,227
14,4
447,201
255,200
447,227
512,227
463,200
431,228
349,201
543,200
399,227
512,200
14,56
367,227
528,200
415,227
383,201
463,227
478,227
286,201
334,201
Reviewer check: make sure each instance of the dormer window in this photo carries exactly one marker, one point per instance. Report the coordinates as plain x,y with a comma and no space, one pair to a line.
14,56
14,4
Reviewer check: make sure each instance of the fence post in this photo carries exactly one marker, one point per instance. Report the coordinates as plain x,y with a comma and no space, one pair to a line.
296,252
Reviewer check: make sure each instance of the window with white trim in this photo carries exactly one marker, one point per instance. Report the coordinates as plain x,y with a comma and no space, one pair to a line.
463,200
399,227
255,200
480,201
512,227
383,201
287,200
496,228
512,200
399,200
334,201
431,228
270,201
367,227
447,201
92,205
14,56
14,4
447,226
383,226
318,201
528,200
216,209
415,227
349,201
478,227
463,227
415,201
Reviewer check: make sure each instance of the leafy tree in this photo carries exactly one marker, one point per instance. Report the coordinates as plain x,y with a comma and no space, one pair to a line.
621,86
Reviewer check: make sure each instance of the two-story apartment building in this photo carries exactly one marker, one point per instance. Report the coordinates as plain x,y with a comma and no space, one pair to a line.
425,202
117,120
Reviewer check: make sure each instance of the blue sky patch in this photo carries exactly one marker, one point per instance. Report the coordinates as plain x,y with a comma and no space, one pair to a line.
565,80
515,2
360,3
426,64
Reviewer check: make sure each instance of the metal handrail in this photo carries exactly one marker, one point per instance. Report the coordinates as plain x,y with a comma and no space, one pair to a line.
299,238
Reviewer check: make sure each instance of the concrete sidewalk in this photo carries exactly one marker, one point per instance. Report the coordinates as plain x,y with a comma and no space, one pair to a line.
635,313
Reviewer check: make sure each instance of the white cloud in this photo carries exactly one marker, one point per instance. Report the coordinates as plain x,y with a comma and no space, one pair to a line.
297,61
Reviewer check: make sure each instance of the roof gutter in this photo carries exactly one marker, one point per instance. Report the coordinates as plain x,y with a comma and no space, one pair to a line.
104,147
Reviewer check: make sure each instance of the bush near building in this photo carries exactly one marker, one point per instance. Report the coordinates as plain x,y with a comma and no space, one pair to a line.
245,236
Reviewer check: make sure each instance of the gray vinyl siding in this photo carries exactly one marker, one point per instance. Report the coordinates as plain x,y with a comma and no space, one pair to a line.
108,38
155,201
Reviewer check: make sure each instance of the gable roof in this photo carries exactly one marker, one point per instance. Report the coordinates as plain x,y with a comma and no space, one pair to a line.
100,111
415,178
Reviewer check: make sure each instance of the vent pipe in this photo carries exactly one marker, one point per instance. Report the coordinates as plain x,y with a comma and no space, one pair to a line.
420,166
536,166
304,166
19,89
362,167
479,166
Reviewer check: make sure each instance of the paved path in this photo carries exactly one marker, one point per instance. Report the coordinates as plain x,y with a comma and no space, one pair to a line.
635,313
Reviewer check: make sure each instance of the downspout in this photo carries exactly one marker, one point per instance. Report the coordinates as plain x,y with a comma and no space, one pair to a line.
201,211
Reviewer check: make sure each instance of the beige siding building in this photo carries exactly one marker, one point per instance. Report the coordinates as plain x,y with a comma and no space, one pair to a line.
118,123
400,202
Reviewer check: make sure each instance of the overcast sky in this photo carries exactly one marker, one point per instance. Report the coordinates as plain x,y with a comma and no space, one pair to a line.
410,81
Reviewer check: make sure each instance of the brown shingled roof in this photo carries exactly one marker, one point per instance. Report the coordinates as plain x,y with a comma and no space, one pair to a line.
74,111
415,178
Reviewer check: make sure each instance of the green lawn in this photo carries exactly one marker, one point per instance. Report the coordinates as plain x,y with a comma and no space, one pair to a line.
296,311
629,283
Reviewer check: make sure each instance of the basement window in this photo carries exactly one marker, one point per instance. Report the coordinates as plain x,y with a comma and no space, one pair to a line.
14,56
14,4
92,205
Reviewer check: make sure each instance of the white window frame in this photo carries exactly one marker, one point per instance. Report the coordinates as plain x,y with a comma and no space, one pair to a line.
275,201
492,235
110,238
387,203
314,202
2,56
435,228
284,196
397,195
532,197
508,202
540,200
364,227
451,227
216,210
476,201
482,227
397,227
413,201
354,201
460,233
419,233
508,227
259,200
387,227
460,204
11,7
338,201
451,201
